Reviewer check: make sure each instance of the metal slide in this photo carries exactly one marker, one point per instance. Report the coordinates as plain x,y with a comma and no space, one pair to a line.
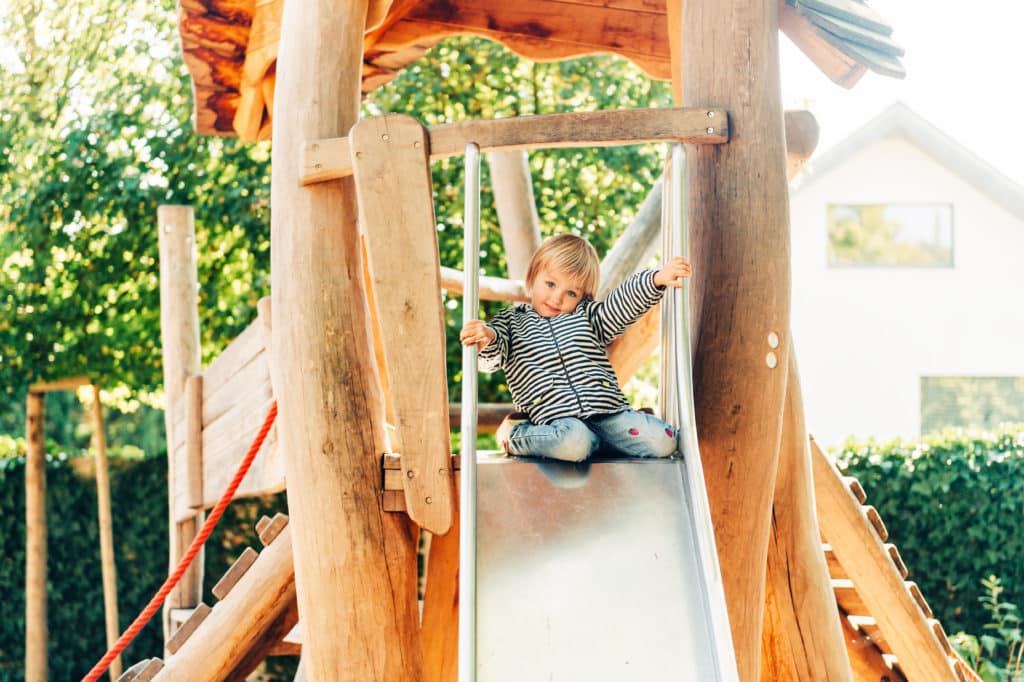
600,571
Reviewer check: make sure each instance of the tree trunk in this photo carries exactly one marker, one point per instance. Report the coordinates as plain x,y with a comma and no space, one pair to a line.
740,248
355,564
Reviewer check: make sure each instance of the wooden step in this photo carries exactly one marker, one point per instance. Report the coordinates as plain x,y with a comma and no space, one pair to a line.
143,671
186,629
235,573
268,528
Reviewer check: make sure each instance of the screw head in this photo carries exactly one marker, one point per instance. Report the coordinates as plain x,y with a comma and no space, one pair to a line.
711,114
385,137
773,340
410,473
771,360
710,130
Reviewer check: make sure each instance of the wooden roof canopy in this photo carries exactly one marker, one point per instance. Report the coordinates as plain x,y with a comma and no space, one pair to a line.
230,46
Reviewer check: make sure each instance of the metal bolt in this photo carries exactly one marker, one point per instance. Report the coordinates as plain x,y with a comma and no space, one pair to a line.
771,360
417,144
710,130
168,228
359,155
442,472
385,137
773,340
410,473
429,500
711,114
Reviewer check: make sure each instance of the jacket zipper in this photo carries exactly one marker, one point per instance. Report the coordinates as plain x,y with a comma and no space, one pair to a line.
561,359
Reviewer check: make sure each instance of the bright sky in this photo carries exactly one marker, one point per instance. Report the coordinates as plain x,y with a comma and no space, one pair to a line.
963,75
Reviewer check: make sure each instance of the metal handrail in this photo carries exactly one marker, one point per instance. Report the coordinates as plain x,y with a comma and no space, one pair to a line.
467,438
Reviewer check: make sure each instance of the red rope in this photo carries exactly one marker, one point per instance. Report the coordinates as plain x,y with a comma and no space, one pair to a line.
193,550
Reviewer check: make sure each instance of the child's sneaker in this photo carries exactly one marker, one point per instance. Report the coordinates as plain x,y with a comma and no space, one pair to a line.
505,429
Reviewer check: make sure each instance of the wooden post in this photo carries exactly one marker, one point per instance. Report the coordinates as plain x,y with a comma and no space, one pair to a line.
740,248
109,569
355,565
179,329
517,210
36,629
810,637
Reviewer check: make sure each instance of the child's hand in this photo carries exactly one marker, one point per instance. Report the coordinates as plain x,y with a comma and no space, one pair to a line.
673,273
476,332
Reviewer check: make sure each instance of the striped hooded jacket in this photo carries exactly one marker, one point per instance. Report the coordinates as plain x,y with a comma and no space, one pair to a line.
558,366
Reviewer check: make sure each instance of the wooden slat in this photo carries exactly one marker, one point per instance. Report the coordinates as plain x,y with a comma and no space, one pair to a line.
876,522
838,66
866,660
835,569
186,629
330,159
853,32
59,385
238,622
897,560
860,551
233,360
856,488
847,597
878,62
193,469
268,529
491,288
231,577
850,10
143,671
396,207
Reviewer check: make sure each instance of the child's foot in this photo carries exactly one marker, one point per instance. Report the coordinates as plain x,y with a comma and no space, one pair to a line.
505,429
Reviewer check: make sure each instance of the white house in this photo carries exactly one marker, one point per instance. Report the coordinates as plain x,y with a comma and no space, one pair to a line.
908,284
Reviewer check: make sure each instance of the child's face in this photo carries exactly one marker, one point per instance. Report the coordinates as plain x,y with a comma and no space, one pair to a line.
555,293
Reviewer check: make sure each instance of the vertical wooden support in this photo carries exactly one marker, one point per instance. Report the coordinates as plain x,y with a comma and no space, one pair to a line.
194,440
517,210
106,525
36,629
810,637
355,564
728,54
441,604
179,330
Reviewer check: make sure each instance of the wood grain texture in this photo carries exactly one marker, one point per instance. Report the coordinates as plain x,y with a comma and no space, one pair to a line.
36,627
355,564
879,584
739,223
810,633
396,206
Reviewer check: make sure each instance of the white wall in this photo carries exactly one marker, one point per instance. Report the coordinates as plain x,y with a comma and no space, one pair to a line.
866,335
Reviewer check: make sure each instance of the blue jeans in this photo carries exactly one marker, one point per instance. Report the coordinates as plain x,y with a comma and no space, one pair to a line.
630,433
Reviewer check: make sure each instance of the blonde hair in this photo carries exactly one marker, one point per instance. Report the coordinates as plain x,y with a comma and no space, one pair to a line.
567,253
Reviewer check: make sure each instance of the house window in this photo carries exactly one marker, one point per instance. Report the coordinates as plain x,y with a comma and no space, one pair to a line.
890,234
970,402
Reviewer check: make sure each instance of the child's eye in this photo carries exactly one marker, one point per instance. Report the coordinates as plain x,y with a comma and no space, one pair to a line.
572,294
549,285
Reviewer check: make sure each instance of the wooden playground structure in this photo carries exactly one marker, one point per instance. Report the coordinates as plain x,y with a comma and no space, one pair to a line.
362,436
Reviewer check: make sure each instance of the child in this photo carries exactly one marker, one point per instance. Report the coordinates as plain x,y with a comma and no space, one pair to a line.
554,358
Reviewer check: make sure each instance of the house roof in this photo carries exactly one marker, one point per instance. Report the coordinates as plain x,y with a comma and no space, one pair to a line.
230,46
899,120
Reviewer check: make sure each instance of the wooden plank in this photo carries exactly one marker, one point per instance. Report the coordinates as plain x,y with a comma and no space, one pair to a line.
239,354
852,32
849,10
855,487
231,577
440,632
59,385
878,62
36,626
143,671
106,530
876,522
897,560
220,398
918,596
330,158
886,597
269,529
866,661
847,597
835,569
186,629
491,288
239,621
838,66
396,207
193,461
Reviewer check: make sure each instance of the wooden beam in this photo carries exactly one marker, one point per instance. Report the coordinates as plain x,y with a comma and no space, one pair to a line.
108,569
811,638
179,331
866,660
729,56
59,385
839,67
440,633
491,288
357,574
865,559
36,628
517,210
396,207
331,159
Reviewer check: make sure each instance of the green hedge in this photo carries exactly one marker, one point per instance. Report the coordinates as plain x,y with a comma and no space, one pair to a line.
75,588
954,506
